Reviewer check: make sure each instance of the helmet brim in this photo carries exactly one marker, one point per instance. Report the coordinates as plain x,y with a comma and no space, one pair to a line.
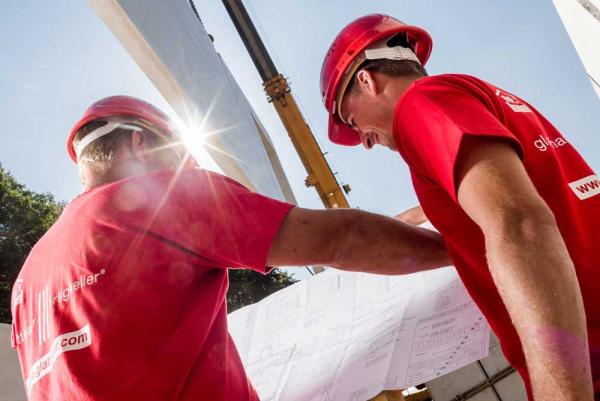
341,134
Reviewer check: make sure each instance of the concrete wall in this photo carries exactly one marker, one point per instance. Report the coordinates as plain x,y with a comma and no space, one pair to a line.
11,383
510,388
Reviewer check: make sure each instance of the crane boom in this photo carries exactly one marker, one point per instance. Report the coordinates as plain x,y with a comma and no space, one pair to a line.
279,94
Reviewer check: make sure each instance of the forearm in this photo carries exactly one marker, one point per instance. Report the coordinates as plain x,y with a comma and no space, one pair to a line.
536,279
354,240
383,245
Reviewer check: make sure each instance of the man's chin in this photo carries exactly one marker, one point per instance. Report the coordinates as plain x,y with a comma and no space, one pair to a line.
390,146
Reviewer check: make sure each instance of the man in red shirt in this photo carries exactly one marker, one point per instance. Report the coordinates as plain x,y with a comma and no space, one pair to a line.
518,207
124,297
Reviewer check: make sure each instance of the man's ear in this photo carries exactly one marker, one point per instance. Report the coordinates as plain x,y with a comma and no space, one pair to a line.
367,82
139,146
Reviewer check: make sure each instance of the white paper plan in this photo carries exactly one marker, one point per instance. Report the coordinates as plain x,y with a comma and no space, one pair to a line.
342,336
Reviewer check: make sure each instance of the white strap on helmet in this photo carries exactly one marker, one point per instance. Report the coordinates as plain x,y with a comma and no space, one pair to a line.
106,129
397,53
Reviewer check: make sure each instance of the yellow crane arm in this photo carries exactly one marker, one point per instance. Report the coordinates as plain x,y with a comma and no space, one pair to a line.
279,94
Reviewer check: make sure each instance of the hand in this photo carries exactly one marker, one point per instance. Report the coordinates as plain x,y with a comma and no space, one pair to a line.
414,216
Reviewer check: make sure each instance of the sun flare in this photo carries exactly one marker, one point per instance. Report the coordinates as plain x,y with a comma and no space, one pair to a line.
195,143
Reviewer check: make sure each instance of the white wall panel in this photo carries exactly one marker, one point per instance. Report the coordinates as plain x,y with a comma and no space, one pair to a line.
170,45
582,21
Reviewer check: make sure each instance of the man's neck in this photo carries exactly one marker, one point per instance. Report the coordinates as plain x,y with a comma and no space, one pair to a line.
95,177
399,85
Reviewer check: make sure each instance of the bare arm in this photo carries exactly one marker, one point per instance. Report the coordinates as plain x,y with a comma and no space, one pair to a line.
530,266
354,240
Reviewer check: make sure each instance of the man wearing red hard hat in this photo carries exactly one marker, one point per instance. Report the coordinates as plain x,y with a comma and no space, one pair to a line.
124,297
518,207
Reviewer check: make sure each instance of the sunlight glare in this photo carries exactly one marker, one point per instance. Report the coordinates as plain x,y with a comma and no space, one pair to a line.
193,139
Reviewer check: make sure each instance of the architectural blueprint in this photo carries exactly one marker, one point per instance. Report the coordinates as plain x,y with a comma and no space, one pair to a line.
342,336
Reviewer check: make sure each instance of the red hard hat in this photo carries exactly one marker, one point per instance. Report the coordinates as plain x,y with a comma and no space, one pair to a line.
124,106
350,42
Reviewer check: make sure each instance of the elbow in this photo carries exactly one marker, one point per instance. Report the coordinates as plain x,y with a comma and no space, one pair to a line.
523,223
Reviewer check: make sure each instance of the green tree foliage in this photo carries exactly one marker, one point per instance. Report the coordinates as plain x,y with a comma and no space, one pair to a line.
247,287
25,216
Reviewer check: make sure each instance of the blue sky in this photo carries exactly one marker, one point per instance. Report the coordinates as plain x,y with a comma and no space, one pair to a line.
58,57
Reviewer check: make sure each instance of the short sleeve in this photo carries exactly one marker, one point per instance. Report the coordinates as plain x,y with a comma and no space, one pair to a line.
227,223
431,122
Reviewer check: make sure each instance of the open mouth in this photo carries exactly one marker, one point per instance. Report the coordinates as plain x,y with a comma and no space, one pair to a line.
375,138
372,139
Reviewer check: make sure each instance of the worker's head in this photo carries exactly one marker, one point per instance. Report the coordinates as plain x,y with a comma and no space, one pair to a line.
367,68
121,136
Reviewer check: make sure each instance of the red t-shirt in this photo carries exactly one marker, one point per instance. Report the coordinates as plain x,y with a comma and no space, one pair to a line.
431,119
124,297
